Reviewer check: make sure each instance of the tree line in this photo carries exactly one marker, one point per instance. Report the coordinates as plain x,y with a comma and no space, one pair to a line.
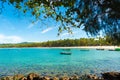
67,43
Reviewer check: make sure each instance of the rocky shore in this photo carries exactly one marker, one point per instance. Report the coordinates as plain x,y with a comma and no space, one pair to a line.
35,76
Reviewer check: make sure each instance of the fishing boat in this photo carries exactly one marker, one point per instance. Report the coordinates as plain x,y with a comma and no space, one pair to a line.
66,49
117,49
111,49
84,49
100,49
66,53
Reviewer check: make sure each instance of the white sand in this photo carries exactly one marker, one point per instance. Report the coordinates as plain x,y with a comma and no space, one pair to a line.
88,47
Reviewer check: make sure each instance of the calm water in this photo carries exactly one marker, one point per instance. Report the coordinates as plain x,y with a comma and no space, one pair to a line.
49,61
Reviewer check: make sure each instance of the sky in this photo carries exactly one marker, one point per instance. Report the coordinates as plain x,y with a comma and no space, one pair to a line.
17,28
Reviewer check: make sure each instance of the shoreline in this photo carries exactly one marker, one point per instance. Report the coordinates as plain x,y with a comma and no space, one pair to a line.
35,76
72,47
88,47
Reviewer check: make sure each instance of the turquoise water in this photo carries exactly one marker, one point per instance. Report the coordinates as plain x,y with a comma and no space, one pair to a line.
49,61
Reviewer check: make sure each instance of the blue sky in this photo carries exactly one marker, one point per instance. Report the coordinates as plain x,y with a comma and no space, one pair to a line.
15,28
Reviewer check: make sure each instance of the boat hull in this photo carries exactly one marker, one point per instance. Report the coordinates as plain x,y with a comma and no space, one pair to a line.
66,53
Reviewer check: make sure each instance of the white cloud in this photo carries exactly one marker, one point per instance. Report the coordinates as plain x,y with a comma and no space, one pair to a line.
10,39
46,30
32,24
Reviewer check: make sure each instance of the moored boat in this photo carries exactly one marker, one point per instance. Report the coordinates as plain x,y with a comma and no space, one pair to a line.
117,49
66,53
100,49
111,49
84,49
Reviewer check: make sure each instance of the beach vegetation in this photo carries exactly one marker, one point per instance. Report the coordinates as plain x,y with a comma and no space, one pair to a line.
66,43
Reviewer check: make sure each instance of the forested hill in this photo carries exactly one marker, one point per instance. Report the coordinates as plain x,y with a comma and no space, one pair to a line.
66,43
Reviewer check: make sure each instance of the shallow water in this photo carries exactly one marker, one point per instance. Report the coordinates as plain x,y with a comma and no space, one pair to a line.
49,61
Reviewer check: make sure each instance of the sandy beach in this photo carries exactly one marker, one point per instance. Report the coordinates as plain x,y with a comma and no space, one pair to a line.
88,47
79,47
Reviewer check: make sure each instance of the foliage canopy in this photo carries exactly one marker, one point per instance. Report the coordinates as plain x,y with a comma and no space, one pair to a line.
106,41
92,15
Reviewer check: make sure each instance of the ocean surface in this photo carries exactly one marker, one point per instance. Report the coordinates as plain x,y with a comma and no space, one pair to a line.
49,61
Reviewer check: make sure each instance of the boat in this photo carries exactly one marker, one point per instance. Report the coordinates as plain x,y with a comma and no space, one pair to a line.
100,49
66,49
84,49
117,49
111,49
66,53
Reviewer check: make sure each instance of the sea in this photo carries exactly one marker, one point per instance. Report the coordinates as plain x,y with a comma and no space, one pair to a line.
50,61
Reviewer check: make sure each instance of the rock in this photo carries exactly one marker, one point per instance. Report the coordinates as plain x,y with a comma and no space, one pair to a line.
55,78
45,78
7,78
93,77
64,78
33,76
23,78
75,77
111,76
18,77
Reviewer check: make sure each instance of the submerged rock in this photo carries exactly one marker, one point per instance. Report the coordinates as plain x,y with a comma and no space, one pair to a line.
23,78
33,76
111,76
45,78
55,78
75,77
7,78
93,77
18,77
64,78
